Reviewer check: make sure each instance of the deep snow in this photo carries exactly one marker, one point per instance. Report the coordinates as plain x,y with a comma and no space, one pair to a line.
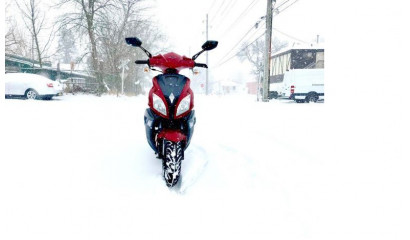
79,167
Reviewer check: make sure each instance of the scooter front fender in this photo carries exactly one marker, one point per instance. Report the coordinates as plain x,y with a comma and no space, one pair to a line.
172,135
155,125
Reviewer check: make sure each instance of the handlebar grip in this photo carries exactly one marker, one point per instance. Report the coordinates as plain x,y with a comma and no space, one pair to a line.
142,62
201,65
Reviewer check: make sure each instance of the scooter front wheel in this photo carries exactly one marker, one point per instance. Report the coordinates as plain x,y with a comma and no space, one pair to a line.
172,159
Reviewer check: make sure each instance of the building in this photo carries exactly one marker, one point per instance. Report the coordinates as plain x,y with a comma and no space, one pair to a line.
15,63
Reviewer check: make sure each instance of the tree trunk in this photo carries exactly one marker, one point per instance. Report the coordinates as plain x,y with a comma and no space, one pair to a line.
38,51
35,33
95,62
94,54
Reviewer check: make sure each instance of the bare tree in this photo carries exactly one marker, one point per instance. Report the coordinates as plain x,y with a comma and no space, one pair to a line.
15,40
66,45
34,20
105,24
111,32
118,23
85,18
254,53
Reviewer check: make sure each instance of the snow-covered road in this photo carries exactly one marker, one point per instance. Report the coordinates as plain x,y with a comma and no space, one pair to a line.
79,167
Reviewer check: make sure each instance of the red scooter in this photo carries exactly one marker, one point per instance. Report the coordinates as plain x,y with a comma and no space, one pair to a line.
170,118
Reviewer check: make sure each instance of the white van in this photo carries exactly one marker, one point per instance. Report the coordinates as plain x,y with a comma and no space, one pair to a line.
303,85
300,67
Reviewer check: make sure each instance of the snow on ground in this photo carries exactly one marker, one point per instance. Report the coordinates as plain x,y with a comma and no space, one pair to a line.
79,167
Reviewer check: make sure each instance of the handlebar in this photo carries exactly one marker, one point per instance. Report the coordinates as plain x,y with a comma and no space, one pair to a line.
203,65
142,62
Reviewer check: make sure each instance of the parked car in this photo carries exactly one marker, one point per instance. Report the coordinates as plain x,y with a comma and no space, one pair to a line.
31,86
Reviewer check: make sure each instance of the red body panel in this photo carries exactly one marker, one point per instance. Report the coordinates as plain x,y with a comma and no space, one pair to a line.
187,90
172,135
177,62
157,90
171,60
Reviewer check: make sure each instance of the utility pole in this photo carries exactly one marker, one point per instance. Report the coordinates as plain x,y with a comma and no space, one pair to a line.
206,81
268,49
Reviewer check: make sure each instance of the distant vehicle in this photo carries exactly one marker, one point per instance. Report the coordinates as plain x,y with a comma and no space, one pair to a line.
301,68
31,86
303,85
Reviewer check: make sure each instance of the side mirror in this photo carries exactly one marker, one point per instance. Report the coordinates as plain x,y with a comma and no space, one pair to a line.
133,41
209,45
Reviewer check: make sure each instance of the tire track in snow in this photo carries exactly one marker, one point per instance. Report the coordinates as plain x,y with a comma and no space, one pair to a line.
193,167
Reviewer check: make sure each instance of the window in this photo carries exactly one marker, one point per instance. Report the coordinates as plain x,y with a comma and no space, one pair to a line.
303,58
320,60
280,64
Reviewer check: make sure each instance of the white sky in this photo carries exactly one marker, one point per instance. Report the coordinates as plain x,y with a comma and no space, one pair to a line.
184,19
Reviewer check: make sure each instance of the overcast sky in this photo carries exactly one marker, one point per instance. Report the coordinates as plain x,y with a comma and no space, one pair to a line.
184,20
229,22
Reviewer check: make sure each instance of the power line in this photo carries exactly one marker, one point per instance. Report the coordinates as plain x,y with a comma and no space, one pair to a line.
250,43
223,15
239,50
282,4
237,43
227,60
254,26
217,11
221,63
247,9
280,11
287,35
226,7
213,4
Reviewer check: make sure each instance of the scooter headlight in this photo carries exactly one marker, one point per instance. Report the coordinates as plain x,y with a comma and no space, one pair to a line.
184,105
158,104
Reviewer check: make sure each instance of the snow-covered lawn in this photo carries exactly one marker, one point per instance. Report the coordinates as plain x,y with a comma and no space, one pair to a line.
79,167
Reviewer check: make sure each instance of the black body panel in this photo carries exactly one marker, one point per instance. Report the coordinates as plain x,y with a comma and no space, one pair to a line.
171,84
154,124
